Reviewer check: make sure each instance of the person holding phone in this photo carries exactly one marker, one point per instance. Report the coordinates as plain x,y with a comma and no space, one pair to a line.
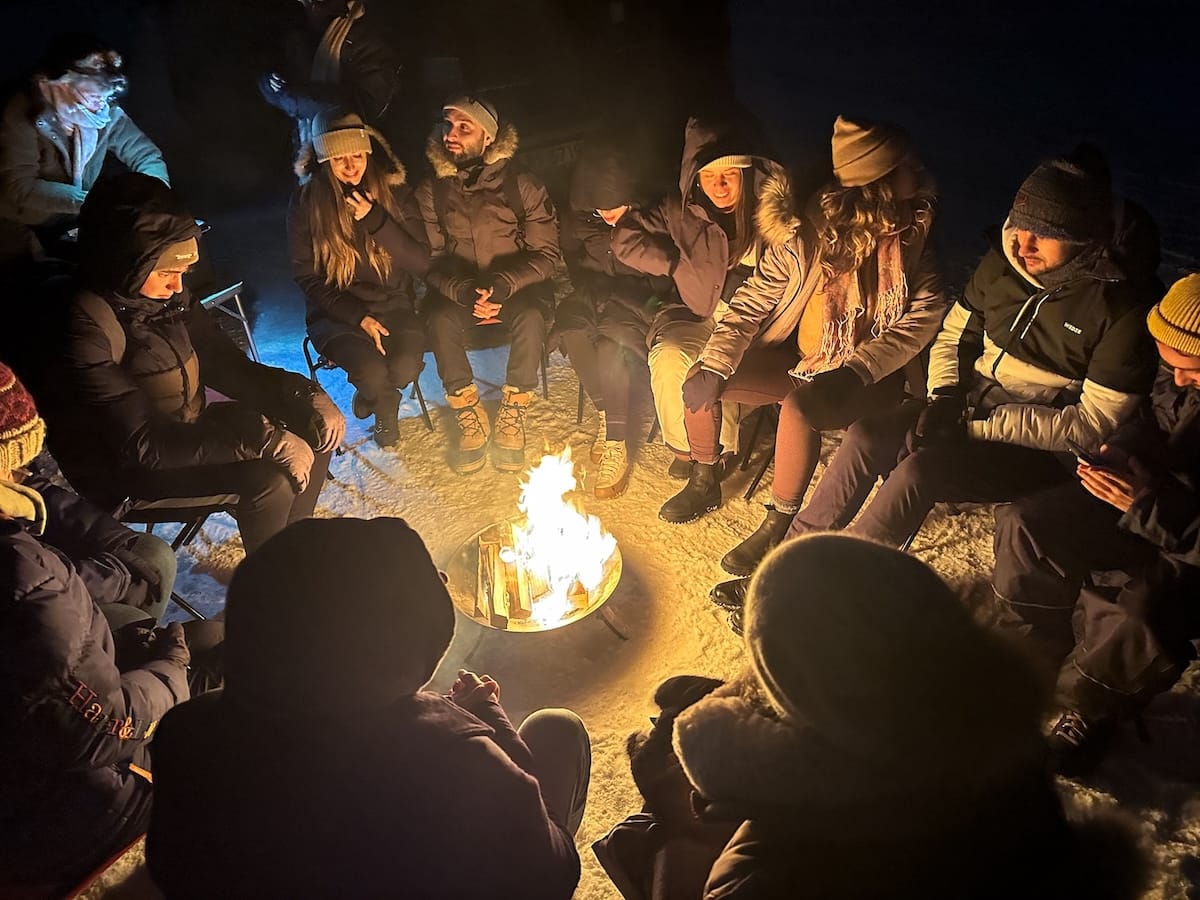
1117,550
357,241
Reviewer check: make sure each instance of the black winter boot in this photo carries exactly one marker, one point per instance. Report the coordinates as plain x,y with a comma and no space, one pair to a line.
701,494
737,621
730,594
745,557
387,420
1078,745
680,469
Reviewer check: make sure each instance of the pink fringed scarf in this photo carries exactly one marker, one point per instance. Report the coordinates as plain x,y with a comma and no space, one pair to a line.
844,305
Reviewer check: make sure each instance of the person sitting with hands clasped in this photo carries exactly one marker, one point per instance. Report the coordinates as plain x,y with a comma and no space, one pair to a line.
357,241
327,745
1102,574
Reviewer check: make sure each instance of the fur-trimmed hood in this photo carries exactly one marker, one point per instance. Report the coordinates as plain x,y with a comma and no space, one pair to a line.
306,161
776,216
503,147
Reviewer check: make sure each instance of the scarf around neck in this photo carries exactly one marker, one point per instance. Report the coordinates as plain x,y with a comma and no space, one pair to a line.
843,304
328,58
85,125
20,502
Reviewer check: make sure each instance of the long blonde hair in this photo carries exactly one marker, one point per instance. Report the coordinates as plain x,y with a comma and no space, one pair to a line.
857,217
333,228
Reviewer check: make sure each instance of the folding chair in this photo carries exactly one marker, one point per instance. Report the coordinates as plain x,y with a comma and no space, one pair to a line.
221,299
323,362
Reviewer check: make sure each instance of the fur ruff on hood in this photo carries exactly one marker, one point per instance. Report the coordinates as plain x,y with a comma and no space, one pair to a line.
776,214
306,161
503,147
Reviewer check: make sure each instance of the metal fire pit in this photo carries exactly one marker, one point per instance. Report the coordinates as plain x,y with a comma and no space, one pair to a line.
470,587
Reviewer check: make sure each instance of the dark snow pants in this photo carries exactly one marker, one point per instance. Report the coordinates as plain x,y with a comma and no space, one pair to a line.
263,498
1110,607
378,377
608,352
562,757
965,471
524,314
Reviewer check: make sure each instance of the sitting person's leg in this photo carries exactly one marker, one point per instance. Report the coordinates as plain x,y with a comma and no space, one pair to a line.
575,334
365,367
525,314
562,758
676,348
803,414
158,565
446,323
405,346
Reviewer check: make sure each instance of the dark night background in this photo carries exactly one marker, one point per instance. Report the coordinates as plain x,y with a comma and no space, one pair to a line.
986,89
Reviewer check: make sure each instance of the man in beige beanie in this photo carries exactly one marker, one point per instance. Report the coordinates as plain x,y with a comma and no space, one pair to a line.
1119,550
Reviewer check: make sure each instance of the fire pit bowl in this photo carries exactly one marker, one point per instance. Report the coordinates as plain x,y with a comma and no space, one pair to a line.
489,585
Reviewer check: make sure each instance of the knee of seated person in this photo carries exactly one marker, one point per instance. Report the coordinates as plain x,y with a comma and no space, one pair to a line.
157,554
552,725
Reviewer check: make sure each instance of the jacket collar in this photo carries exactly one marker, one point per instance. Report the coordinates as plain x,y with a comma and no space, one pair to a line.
502,149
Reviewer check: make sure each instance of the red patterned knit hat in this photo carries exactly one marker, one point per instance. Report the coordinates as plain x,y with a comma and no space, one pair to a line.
22,431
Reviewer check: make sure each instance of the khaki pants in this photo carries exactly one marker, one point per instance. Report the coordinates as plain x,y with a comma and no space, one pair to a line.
677,346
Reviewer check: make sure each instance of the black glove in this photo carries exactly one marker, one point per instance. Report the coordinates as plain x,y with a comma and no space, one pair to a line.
465,295
701,389
943,420
837,386
501,290
170,644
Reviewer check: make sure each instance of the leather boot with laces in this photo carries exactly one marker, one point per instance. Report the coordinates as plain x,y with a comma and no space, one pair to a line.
508,442
473,429
701,494
387,420
613,477
745,557
598,445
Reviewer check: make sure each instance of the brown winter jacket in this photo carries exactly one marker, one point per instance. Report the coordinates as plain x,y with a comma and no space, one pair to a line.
678,238
768,307
481,235
331,310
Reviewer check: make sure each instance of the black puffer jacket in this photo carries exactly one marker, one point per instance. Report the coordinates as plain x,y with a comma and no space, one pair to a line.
122,386
71,723
330,309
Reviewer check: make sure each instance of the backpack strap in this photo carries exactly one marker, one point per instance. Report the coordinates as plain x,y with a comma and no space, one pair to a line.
441,194
512,198
103,315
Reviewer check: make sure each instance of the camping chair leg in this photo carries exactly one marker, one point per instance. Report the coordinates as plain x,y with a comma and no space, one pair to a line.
762,470
244,319
188,532
187,607
579,408
416,392
758,423
545,377
654,430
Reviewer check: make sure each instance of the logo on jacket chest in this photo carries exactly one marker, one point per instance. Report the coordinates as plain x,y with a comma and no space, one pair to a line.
1074,329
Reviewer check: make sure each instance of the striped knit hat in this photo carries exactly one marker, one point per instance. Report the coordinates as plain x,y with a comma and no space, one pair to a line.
22,431
1175,320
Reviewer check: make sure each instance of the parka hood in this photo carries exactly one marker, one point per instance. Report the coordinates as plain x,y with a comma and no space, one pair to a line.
444,166
124,226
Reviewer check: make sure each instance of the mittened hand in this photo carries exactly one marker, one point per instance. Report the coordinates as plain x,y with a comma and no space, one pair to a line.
701,389
170,644
329,421
837,386
295,456
941,421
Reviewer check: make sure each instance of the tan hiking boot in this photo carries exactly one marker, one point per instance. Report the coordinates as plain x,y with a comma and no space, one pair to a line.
597,452
473,430
508,444
614,471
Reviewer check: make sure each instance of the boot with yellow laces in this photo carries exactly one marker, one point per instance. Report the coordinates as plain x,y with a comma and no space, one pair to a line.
508,442
473,430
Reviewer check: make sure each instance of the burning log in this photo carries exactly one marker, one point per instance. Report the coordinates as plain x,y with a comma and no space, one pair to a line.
492,589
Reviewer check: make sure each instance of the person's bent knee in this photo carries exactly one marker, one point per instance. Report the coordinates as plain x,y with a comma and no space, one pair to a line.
554,727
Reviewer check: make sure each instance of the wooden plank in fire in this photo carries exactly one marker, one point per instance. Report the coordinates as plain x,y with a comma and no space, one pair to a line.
491,588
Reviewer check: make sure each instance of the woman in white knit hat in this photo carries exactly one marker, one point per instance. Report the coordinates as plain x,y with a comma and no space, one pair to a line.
356,239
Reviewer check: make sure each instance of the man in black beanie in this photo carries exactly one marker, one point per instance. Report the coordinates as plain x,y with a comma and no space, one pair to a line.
324,769
1046,351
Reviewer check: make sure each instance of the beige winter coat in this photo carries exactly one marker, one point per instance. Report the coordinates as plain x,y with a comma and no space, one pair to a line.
766,310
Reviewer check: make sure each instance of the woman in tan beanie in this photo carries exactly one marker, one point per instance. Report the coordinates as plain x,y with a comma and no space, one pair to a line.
847,295
357,240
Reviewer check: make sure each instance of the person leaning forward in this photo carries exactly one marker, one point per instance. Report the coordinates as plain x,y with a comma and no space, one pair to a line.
124,385
493,235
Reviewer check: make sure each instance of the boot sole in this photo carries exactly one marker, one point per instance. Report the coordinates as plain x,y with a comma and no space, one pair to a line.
509,467
615,491
727,605
740,571
697,516
470,468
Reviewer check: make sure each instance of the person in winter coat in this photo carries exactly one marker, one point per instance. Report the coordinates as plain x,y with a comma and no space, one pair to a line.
883,745
494,240
1118,551
1046,348
325,769
79,700
602,326
706,239
125,380
840,303
55,139
336,57
357,240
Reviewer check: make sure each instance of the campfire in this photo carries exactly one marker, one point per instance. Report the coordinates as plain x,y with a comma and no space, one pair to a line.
544,568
